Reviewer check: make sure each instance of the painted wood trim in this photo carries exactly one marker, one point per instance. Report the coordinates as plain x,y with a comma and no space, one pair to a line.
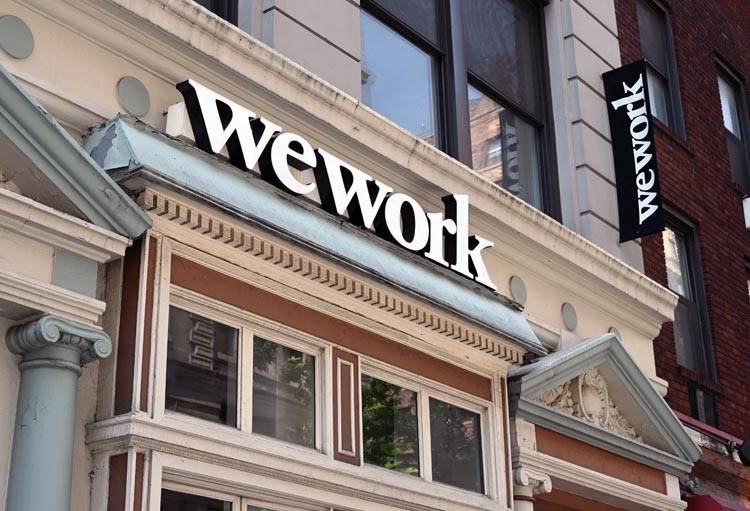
148,315
126,338
346,407
200,279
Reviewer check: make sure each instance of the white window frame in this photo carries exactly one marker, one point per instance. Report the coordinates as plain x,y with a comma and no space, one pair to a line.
240,502
248,326
425,389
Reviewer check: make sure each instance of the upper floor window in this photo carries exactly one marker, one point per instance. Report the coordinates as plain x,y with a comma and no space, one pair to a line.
691,333
226,9
734,115
203,380
656,46
467,77
414,430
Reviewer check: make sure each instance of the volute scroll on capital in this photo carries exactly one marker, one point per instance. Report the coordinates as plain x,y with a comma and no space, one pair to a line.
50,330
539,481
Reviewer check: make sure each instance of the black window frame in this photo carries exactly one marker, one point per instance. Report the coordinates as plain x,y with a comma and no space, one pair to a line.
674,106
453,78
704,375
740,176
706,367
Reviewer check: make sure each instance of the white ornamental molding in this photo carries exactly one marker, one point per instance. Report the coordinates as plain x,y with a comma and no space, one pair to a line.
538,480
587,397
239,238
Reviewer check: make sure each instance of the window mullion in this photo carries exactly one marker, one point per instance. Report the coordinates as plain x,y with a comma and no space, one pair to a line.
245,383
456,102
425,445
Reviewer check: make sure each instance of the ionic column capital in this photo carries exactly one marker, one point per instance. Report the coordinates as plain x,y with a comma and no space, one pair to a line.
538,481
47,331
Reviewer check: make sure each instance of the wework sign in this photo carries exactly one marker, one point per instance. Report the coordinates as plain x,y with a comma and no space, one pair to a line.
284,158
638,195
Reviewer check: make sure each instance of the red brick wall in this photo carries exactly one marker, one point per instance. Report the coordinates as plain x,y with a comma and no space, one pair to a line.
696,182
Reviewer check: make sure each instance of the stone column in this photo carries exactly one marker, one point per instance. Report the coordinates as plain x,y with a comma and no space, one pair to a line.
526,483
54,351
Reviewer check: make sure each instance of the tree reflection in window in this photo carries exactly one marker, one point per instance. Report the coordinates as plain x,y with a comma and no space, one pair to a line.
283,393
456,446
389,426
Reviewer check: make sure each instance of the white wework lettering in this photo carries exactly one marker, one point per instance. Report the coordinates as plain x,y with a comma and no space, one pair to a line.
645,179
253,141
439,226
344,188
465,253
635,91
288,150
404,218
218,122
640,156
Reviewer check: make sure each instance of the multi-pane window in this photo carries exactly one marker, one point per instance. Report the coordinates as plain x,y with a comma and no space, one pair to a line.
270,380
203,356
395,418
469,78
656,46
735,121
691,334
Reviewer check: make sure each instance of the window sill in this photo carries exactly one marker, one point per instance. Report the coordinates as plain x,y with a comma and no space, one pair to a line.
196,443
672,136
689,374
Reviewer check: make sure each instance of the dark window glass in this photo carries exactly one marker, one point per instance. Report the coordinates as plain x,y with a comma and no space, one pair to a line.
688,335
703,404
389,426
283,393
420,15
456,446
693,346
504,148
398,79
492,46
201,367
226,9
735,118
177,501
656,47
501,47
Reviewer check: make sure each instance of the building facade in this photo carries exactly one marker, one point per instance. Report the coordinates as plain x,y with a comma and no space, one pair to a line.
349,256
701,139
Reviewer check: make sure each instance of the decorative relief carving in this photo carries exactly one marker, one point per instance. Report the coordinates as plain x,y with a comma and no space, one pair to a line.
587,397
92,342
252,244
539,481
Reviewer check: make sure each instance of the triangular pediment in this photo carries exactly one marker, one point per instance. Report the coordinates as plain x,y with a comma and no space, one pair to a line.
44,163
595,392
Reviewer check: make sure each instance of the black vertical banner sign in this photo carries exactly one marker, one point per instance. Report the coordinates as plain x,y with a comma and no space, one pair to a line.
638,193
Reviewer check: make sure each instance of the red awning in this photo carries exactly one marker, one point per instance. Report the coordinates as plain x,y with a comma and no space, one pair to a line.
710,503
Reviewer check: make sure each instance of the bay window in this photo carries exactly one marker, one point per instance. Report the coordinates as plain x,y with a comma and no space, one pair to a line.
469,78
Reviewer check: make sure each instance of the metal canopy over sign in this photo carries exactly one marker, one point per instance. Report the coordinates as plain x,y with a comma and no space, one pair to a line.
251,140
638,193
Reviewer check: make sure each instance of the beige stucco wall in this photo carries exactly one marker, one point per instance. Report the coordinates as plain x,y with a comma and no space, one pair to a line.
525,245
